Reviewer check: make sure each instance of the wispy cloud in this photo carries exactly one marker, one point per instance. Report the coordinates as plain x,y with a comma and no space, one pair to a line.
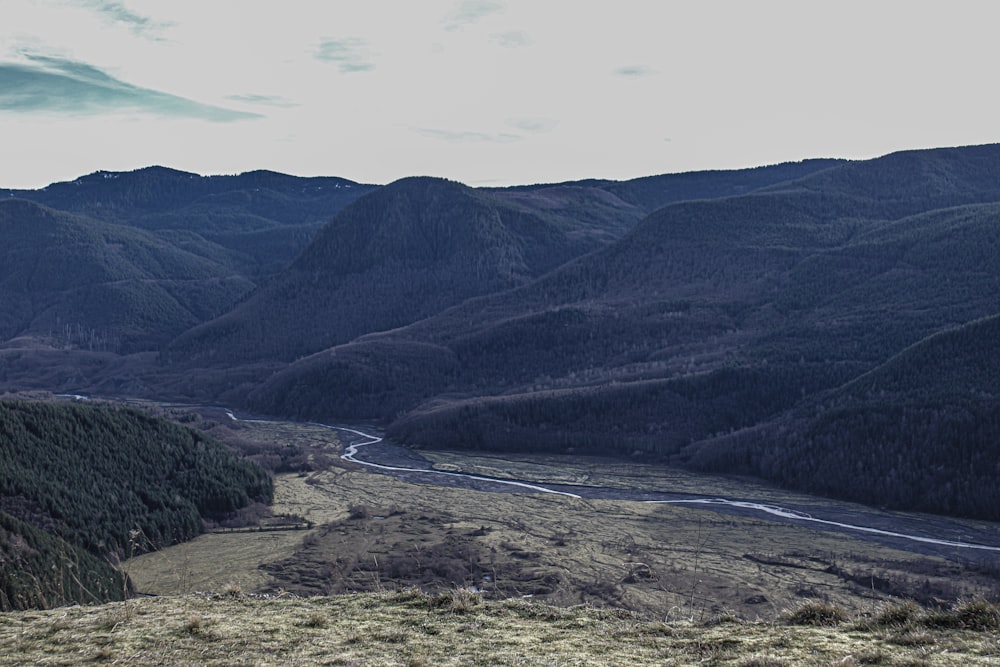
460,136
117,13
470,11
350,53
533,124
512,39
265,100
634,71
58,85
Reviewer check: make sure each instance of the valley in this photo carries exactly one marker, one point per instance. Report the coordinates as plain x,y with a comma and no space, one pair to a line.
683,395
433,529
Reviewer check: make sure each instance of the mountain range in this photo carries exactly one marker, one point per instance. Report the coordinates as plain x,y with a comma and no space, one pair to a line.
827,325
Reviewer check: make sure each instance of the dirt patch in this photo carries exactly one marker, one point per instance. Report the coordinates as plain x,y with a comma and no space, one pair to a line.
386,549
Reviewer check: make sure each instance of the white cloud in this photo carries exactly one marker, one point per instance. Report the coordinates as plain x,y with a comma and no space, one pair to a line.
49,84
634,71
533,124
265,100
350,53
471,11
484,90
466,136
117,13
511,39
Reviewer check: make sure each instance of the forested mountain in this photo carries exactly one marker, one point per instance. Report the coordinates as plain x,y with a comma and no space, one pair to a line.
71,281
917,432
404,252
265,216
103,481
652,192
708,317
691,317
421,245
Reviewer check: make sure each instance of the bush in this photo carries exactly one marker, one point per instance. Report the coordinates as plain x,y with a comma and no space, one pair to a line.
815,612
976,614
900,615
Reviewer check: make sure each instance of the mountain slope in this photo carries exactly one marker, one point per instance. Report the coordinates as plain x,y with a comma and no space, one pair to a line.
652,192
464,235
78,282
265,216
707,317
80,478
917,432
409,250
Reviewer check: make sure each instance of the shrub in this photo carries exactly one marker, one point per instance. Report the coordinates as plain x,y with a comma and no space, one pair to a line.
976,614
815,612
899,615
459,600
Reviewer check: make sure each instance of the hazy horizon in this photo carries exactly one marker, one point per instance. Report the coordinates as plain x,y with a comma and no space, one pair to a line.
486,92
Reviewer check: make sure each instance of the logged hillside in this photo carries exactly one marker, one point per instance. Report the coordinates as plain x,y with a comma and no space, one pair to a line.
108,482
708,317
77,282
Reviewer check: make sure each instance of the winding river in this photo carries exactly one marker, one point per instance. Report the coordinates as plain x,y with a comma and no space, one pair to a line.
947,548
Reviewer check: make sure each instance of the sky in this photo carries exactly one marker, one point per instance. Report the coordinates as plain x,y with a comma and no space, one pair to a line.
486,92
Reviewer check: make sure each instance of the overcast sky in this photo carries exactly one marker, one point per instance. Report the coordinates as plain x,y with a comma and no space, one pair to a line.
484,91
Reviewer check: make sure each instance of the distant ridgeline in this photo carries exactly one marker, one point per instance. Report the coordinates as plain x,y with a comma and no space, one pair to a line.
82,484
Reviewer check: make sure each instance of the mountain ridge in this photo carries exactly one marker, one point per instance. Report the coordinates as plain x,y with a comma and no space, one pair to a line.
748,303
569,316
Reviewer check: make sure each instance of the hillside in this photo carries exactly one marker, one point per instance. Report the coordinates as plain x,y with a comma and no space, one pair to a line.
73,281
408,628
80,484
652,192
265,217
406,251
918,431
421,245
707,317
559,317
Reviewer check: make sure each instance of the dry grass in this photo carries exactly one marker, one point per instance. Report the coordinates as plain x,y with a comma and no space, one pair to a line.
667,562
410,628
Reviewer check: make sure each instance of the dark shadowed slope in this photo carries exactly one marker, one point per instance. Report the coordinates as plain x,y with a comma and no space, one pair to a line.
266,216
917,432
77,282
423,245
76,481
406,251
649,193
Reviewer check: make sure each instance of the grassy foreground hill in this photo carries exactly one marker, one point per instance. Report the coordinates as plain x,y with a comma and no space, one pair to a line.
458,628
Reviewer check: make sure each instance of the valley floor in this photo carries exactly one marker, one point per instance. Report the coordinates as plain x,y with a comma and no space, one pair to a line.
372,533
